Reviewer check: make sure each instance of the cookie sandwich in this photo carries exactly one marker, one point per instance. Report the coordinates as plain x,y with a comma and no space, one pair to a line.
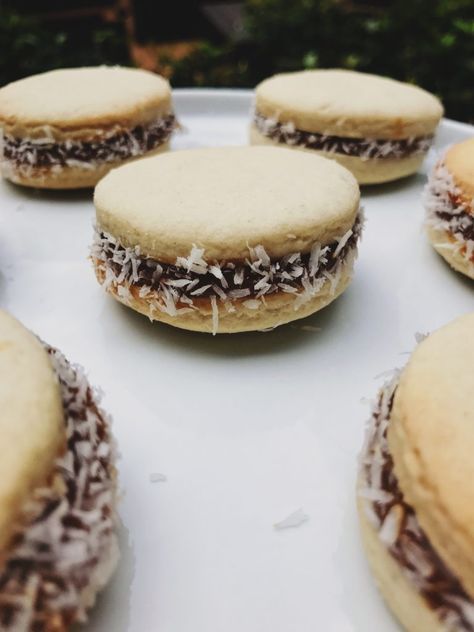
65,129
227,239
416,485
449,203
57,487
380,129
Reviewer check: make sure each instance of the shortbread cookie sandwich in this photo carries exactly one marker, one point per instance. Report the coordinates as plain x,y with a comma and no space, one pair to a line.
57,487
377,127
449,203
416,485
227,239
65,129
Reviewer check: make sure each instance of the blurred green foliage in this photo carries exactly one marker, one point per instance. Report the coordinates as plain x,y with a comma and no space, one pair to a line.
427,42
28,47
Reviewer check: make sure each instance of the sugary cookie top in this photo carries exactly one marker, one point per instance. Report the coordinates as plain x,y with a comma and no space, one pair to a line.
431,440
348,103
78,97
225,200
31,419
459,161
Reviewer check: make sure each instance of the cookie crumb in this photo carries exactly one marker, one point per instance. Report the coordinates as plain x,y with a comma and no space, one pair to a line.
156,477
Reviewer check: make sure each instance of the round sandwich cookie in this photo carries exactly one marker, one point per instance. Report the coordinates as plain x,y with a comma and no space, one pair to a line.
449,203
57,487
227,239
65,129
379,128
416,485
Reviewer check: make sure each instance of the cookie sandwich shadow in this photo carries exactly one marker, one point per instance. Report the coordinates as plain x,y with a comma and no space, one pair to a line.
55,195
282,339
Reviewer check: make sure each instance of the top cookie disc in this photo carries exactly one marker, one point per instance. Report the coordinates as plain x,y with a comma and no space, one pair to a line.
31,423
348,103
431,440
78,97
226,200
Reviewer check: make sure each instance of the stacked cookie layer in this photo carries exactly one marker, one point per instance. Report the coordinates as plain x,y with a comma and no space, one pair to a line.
227,239
448,199
57,487
416,485
67,128
380,129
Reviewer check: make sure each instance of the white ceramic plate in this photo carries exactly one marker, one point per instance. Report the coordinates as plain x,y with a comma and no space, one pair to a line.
246,428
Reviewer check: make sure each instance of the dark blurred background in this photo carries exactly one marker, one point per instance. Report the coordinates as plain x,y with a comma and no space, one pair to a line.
236,44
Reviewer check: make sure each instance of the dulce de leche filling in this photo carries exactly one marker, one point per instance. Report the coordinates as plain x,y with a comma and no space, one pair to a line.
363,148
192,281
46,153
398,527
66,549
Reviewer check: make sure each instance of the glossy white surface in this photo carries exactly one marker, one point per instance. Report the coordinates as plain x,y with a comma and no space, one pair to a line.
246,428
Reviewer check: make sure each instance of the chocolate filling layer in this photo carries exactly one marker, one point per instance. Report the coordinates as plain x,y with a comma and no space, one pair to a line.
67,548
195,278
461,222
125,144
399,529
364,148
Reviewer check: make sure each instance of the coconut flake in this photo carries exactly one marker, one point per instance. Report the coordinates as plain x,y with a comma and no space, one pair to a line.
216,271
220,292
252,304
343,241
200,290
194,262
390,529
239,276
420,336
215,315
239,293
295,519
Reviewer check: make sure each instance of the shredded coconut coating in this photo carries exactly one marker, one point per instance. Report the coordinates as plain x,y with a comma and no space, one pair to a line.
448,213
66,549
29,155
398,527
193,281
363,148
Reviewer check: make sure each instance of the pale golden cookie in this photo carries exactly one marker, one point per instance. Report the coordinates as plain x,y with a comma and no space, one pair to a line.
449,204
31,423
227,239
416,484
67,128
377,127
431,439
58,546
